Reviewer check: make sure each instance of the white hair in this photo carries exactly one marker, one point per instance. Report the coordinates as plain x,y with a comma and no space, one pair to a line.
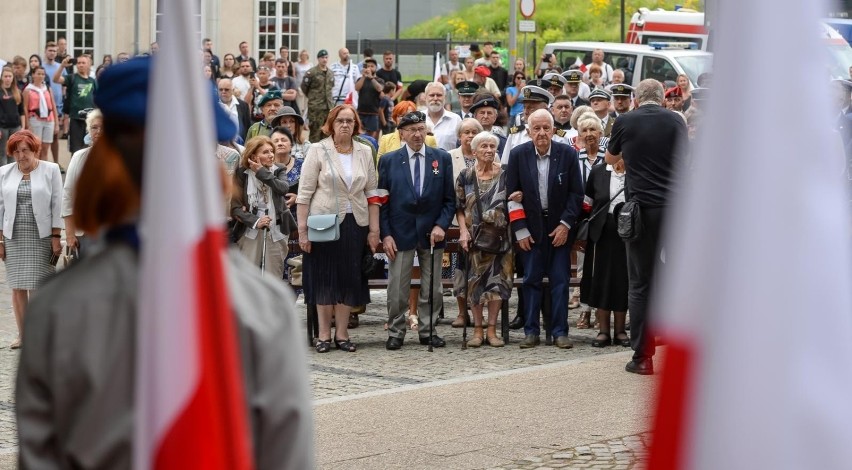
434,85
90,118
649,90
589,120
542,113
483,136
471,122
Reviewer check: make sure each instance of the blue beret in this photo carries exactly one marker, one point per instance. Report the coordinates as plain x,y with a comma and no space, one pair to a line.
123,93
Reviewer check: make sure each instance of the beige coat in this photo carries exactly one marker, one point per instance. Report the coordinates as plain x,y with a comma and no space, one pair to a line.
75,387
317,188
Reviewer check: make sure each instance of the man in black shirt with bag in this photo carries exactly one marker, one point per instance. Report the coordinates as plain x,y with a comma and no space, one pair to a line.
650,140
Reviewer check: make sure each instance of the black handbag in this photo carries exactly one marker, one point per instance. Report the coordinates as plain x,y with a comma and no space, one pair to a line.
487,237
629,221
582,230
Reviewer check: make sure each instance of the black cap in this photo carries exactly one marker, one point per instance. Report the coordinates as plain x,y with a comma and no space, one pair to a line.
621,89
483,101
536,93
539,82
414,117
573,76
599,93
555,79
467,87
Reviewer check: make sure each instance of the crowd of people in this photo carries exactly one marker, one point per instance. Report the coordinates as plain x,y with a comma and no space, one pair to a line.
352,161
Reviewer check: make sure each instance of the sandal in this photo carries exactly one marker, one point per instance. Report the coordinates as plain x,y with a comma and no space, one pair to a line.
584,323
345,345
353,320
602,340
621,339
323,346
413,322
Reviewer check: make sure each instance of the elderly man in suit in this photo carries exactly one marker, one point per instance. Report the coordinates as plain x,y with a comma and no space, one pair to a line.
238,110
418,182
548,175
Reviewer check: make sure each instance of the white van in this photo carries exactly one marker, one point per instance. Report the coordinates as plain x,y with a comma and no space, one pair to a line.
661,61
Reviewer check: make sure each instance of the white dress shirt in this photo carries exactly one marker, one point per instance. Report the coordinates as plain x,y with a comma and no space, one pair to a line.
444,129
421,162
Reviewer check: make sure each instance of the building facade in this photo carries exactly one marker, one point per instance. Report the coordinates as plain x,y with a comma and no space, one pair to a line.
100,27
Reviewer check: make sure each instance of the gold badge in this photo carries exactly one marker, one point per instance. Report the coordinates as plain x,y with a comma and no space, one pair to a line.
527,92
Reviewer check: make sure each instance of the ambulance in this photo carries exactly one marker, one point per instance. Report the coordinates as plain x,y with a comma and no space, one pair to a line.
683,25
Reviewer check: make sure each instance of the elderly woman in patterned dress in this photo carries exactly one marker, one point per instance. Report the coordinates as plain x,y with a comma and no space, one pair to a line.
30,208
489,275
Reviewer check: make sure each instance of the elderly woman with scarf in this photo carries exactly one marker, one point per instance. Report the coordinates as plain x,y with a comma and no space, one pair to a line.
259,206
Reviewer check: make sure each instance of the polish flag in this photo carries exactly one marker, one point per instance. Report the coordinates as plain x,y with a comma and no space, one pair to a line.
437,74
755,298
580,63
190,410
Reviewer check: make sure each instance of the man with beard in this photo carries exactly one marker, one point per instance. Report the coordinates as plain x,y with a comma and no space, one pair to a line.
482,77
317,86
466,90
444,123
548,174
674,99
391,75
621,96
345,75
600,99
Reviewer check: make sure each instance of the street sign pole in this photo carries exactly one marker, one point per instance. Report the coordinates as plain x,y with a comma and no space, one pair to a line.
513,33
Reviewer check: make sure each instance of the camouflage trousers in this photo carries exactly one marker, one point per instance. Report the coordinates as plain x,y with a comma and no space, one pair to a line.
315,122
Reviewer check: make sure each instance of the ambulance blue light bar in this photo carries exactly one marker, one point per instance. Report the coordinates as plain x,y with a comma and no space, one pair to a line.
660,45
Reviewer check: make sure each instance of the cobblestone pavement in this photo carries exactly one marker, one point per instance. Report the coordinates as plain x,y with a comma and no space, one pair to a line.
373,368
618,454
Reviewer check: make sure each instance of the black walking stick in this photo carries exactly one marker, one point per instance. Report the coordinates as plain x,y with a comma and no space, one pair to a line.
431,288
263,251
467,295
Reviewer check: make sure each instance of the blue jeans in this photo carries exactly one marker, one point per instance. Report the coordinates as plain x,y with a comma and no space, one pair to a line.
5,132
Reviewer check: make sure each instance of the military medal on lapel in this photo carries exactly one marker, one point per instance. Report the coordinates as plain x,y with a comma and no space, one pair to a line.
435,166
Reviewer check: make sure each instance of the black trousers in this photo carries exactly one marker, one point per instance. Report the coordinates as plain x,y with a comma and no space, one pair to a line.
76,134
643,254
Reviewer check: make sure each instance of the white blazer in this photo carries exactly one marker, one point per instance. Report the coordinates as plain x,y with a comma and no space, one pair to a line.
46,187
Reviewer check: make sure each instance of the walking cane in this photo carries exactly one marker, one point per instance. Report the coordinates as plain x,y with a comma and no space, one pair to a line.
431,288
263,251
466,268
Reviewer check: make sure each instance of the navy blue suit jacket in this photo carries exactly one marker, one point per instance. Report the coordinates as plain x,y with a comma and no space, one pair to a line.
405,217
564,188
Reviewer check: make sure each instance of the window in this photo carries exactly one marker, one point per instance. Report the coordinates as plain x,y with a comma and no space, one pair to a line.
73,20
658,68
278,26
158,27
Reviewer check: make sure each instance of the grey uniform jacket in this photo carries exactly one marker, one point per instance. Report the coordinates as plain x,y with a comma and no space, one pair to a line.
75,382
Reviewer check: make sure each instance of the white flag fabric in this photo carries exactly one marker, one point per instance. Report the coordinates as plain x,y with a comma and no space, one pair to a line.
190,412
755,298
437,74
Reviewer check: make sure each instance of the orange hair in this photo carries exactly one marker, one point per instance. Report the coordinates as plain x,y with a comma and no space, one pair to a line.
111,197
23,137
403,108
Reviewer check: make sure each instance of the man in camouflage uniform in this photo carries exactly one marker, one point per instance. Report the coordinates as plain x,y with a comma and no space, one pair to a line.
317,86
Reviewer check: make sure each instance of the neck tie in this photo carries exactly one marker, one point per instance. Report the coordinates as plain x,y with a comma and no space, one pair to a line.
417,174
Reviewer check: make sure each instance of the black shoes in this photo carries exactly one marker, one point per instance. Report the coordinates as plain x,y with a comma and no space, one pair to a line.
393,344
517,323
640,366
437,341
621,339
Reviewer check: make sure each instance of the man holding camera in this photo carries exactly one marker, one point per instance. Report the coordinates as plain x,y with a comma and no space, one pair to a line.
80,96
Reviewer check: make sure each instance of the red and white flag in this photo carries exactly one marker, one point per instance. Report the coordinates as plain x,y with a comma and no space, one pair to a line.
580,64
190,410
755,298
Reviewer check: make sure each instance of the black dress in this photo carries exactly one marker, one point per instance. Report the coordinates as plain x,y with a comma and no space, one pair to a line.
605,283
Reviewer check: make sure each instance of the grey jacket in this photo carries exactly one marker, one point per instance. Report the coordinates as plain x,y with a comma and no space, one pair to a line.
75,382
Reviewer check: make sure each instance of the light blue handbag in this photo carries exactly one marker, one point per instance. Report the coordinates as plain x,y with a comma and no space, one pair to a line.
326,227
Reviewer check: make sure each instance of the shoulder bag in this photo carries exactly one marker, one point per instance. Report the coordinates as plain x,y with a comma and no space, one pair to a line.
629,221
488,237
326,227
583,227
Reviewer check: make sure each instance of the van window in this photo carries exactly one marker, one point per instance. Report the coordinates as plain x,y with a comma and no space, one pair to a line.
617,60
658,68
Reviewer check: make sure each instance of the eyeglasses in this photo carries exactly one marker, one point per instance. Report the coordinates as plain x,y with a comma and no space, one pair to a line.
94,129
225,89
347,122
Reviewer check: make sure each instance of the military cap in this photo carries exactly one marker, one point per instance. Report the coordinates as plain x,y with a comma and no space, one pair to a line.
701,94
621,89
269,96
322,53
414,117
674,91
555,79
123,93
599,93
467,87
370,60
536,93
286,111
483,101
573,76
540,82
